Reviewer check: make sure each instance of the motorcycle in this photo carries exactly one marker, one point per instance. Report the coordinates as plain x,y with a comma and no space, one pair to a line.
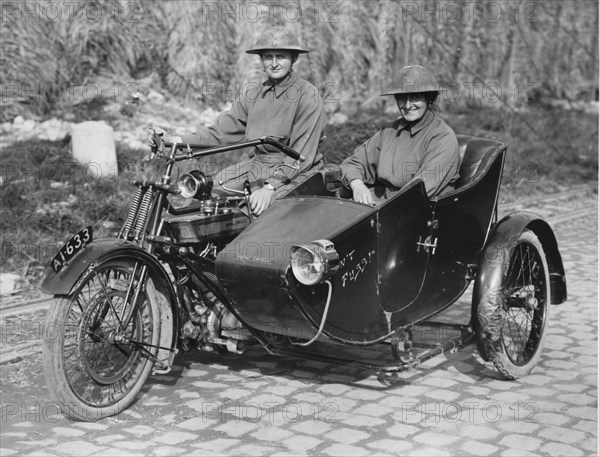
316,272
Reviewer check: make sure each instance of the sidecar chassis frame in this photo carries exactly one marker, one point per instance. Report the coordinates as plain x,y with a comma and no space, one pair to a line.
407,357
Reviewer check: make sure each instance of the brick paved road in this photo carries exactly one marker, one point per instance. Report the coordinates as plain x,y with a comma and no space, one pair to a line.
262,405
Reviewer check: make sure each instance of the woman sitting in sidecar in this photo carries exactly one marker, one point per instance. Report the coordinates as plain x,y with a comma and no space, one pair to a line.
418,146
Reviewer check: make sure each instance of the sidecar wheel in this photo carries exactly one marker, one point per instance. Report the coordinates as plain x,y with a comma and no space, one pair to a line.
94,359
509,319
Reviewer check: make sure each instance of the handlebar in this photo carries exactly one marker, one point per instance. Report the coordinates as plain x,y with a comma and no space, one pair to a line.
285,149
205,149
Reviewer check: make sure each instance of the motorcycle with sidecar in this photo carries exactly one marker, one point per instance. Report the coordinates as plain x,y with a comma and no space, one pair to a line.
316,272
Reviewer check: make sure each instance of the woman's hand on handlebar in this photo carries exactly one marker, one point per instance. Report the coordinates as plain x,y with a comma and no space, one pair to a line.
261,199
163,136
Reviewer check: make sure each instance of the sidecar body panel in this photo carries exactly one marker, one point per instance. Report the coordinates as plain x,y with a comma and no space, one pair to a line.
387,276
255,268
400,262
402,265
460,225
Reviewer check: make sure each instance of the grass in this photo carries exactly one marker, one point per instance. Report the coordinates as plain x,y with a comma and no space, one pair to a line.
47,197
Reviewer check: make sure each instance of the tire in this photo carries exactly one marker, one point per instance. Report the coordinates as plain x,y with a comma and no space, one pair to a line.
92,368
509,319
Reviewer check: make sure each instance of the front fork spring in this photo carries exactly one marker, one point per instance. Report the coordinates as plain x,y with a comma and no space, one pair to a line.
142,216
133,213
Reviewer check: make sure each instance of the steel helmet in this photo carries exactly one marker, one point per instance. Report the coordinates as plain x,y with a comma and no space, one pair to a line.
277,38
412,79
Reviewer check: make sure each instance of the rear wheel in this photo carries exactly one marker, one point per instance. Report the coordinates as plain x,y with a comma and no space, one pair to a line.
100,348
510,320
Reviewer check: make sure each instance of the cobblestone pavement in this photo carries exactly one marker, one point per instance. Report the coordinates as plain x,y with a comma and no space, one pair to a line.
257,404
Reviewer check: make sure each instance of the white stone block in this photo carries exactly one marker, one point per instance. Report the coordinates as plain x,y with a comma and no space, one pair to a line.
9,283
93,144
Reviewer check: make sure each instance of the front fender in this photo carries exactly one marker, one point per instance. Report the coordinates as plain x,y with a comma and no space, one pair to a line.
102,250
62,282
505,234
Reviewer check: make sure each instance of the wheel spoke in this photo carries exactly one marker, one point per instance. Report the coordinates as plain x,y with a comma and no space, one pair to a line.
109,301
524,304
102,355
519,327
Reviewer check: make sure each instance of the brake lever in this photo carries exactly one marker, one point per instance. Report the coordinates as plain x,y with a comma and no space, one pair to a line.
247,193
247,188
296,165
233,191
158,147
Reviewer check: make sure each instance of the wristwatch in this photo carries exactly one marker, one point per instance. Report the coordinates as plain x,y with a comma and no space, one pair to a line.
269,186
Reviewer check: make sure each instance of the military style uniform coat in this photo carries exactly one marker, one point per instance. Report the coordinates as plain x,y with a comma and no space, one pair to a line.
402,152
290,108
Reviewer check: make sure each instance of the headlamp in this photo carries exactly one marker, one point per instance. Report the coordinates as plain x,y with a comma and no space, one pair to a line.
195,184
313,263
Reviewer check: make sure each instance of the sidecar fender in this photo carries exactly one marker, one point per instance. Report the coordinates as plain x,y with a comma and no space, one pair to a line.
504,236
99,251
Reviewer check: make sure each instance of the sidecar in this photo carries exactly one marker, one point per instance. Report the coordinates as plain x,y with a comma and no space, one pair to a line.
318,266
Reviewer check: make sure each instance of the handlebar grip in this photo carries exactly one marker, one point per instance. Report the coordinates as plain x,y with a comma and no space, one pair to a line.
285,149
293,153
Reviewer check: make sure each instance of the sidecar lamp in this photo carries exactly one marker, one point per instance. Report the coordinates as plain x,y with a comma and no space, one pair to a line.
313,263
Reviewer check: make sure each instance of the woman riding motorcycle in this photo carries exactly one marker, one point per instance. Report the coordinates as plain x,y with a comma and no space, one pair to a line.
284,105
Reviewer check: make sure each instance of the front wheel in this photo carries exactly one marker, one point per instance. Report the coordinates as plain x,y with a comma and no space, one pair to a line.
100,348
509,319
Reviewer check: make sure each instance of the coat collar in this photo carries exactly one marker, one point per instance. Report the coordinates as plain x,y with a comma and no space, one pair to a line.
280,86
417,126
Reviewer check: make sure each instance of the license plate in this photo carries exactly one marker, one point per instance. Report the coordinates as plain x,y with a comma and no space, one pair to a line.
71,248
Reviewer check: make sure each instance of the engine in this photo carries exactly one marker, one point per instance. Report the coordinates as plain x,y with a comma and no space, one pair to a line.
209,326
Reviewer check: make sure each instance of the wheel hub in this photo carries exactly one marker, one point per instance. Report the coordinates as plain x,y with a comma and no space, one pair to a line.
115,337
524,298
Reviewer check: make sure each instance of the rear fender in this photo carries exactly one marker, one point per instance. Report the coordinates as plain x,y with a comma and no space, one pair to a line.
504,237
159,288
